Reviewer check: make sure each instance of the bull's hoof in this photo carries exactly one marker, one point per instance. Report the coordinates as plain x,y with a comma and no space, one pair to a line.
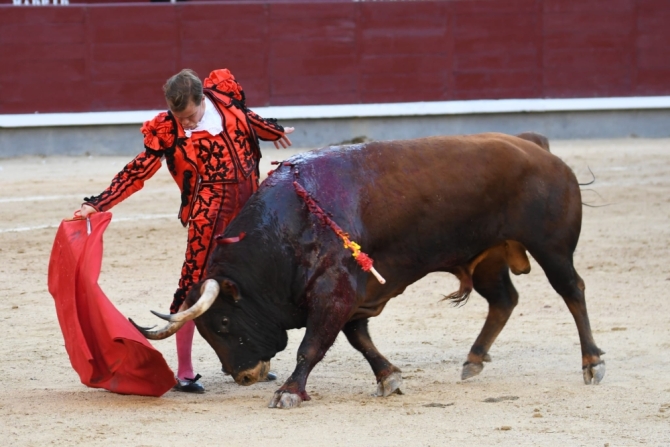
594,373
389,385
284,399
471,370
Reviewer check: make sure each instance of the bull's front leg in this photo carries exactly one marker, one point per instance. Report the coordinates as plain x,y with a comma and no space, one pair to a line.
389,377
330,302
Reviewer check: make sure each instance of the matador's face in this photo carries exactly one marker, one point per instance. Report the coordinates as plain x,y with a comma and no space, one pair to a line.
191,115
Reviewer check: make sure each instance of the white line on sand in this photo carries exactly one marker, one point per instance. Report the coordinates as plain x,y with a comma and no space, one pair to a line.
68,196
38,198
115,219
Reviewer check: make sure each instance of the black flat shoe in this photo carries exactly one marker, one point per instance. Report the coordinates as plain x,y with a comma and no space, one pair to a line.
189,385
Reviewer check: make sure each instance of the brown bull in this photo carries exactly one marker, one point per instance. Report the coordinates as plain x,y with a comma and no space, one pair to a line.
469,205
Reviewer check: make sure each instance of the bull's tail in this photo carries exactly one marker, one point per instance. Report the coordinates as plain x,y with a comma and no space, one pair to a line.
593,180
460,297
543,142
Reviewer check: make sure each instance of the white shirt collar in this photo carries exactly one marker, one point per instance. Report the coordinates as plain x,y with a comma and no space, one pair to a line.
210,122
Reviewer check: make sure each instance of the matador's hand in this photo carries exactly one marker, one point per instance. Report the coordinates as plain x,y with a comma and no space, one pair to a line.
284,141
86,210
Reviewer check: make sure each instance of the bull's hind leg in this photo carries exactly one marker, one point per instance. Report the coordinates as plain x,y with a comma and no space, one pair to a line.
388,376
491,280
565,280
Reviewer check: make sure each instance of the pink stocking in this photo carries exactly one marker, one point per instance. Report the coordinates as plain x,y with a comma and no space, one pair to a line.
184,345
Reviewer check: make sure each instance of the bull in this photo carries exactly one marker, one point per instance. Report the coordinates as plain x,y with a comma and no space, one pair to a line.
469,205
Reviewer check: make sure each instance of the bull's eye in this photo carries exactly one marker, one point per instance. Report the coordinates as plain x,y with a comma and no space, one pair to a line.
224,322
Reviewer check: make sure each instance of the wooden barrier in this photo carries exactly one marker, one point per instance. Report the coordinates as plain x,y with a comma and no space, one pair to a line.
107,57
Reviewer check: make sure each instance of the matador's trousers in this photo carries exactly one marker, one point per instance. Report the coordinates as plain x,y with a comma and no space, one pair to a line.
216,204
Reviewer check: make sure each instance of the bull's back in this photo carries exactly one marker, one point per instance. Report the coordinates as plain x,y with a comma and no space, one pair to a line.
415,200
442,185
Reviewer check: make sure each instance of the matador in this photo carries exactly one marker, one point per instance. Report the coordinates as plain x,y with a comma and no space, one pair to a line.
209,140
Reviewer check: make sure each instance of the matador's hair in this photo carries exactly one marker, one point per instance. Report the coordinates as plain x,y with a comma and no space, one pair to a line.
182,88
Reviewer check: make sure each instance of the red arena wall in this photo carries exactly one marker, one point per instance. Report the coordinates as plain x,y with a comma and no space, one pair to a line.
109,57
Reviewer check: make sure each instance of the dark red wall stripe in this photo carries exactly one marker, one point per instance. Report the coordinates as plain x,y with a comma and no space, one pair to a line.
106,57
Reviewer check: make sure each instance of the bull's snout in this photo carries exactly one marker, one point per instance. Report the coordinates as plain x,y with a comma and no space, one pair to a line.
253,375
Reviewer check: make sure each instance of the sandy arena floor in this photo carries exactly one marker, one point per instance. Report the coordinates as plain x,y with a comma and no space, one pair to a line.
531,394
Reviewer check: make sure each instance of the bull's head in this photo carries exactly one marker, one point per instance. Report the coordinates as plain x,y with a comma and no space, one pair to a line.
240,335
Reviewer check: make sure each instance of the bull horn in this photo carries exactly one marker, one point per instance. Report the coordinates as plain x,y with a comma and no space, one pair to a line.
208,293
158,334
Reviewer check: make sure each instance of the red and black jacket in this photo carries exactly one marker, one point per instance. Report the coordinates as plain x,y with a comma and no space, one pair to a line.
237,147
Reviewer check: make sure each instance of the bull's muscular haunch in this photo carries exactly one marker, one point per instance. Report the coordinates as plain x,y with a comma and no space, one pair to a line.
469,205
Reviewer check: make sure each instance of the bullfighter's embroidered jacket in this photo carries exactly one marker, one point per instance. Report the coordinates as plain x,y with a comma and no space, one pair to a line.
227,157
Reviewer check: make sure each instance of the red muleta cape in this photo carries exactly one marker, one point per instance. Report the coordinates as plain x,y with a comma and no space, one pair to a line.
104,348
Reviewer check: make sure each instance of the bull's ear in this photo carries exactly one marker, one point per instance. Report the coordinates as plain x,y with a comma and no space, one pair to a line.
230,288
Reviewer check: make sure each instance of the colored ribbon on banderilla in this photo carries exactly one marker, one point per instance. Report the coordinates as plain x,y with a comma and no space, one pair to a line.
361,258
